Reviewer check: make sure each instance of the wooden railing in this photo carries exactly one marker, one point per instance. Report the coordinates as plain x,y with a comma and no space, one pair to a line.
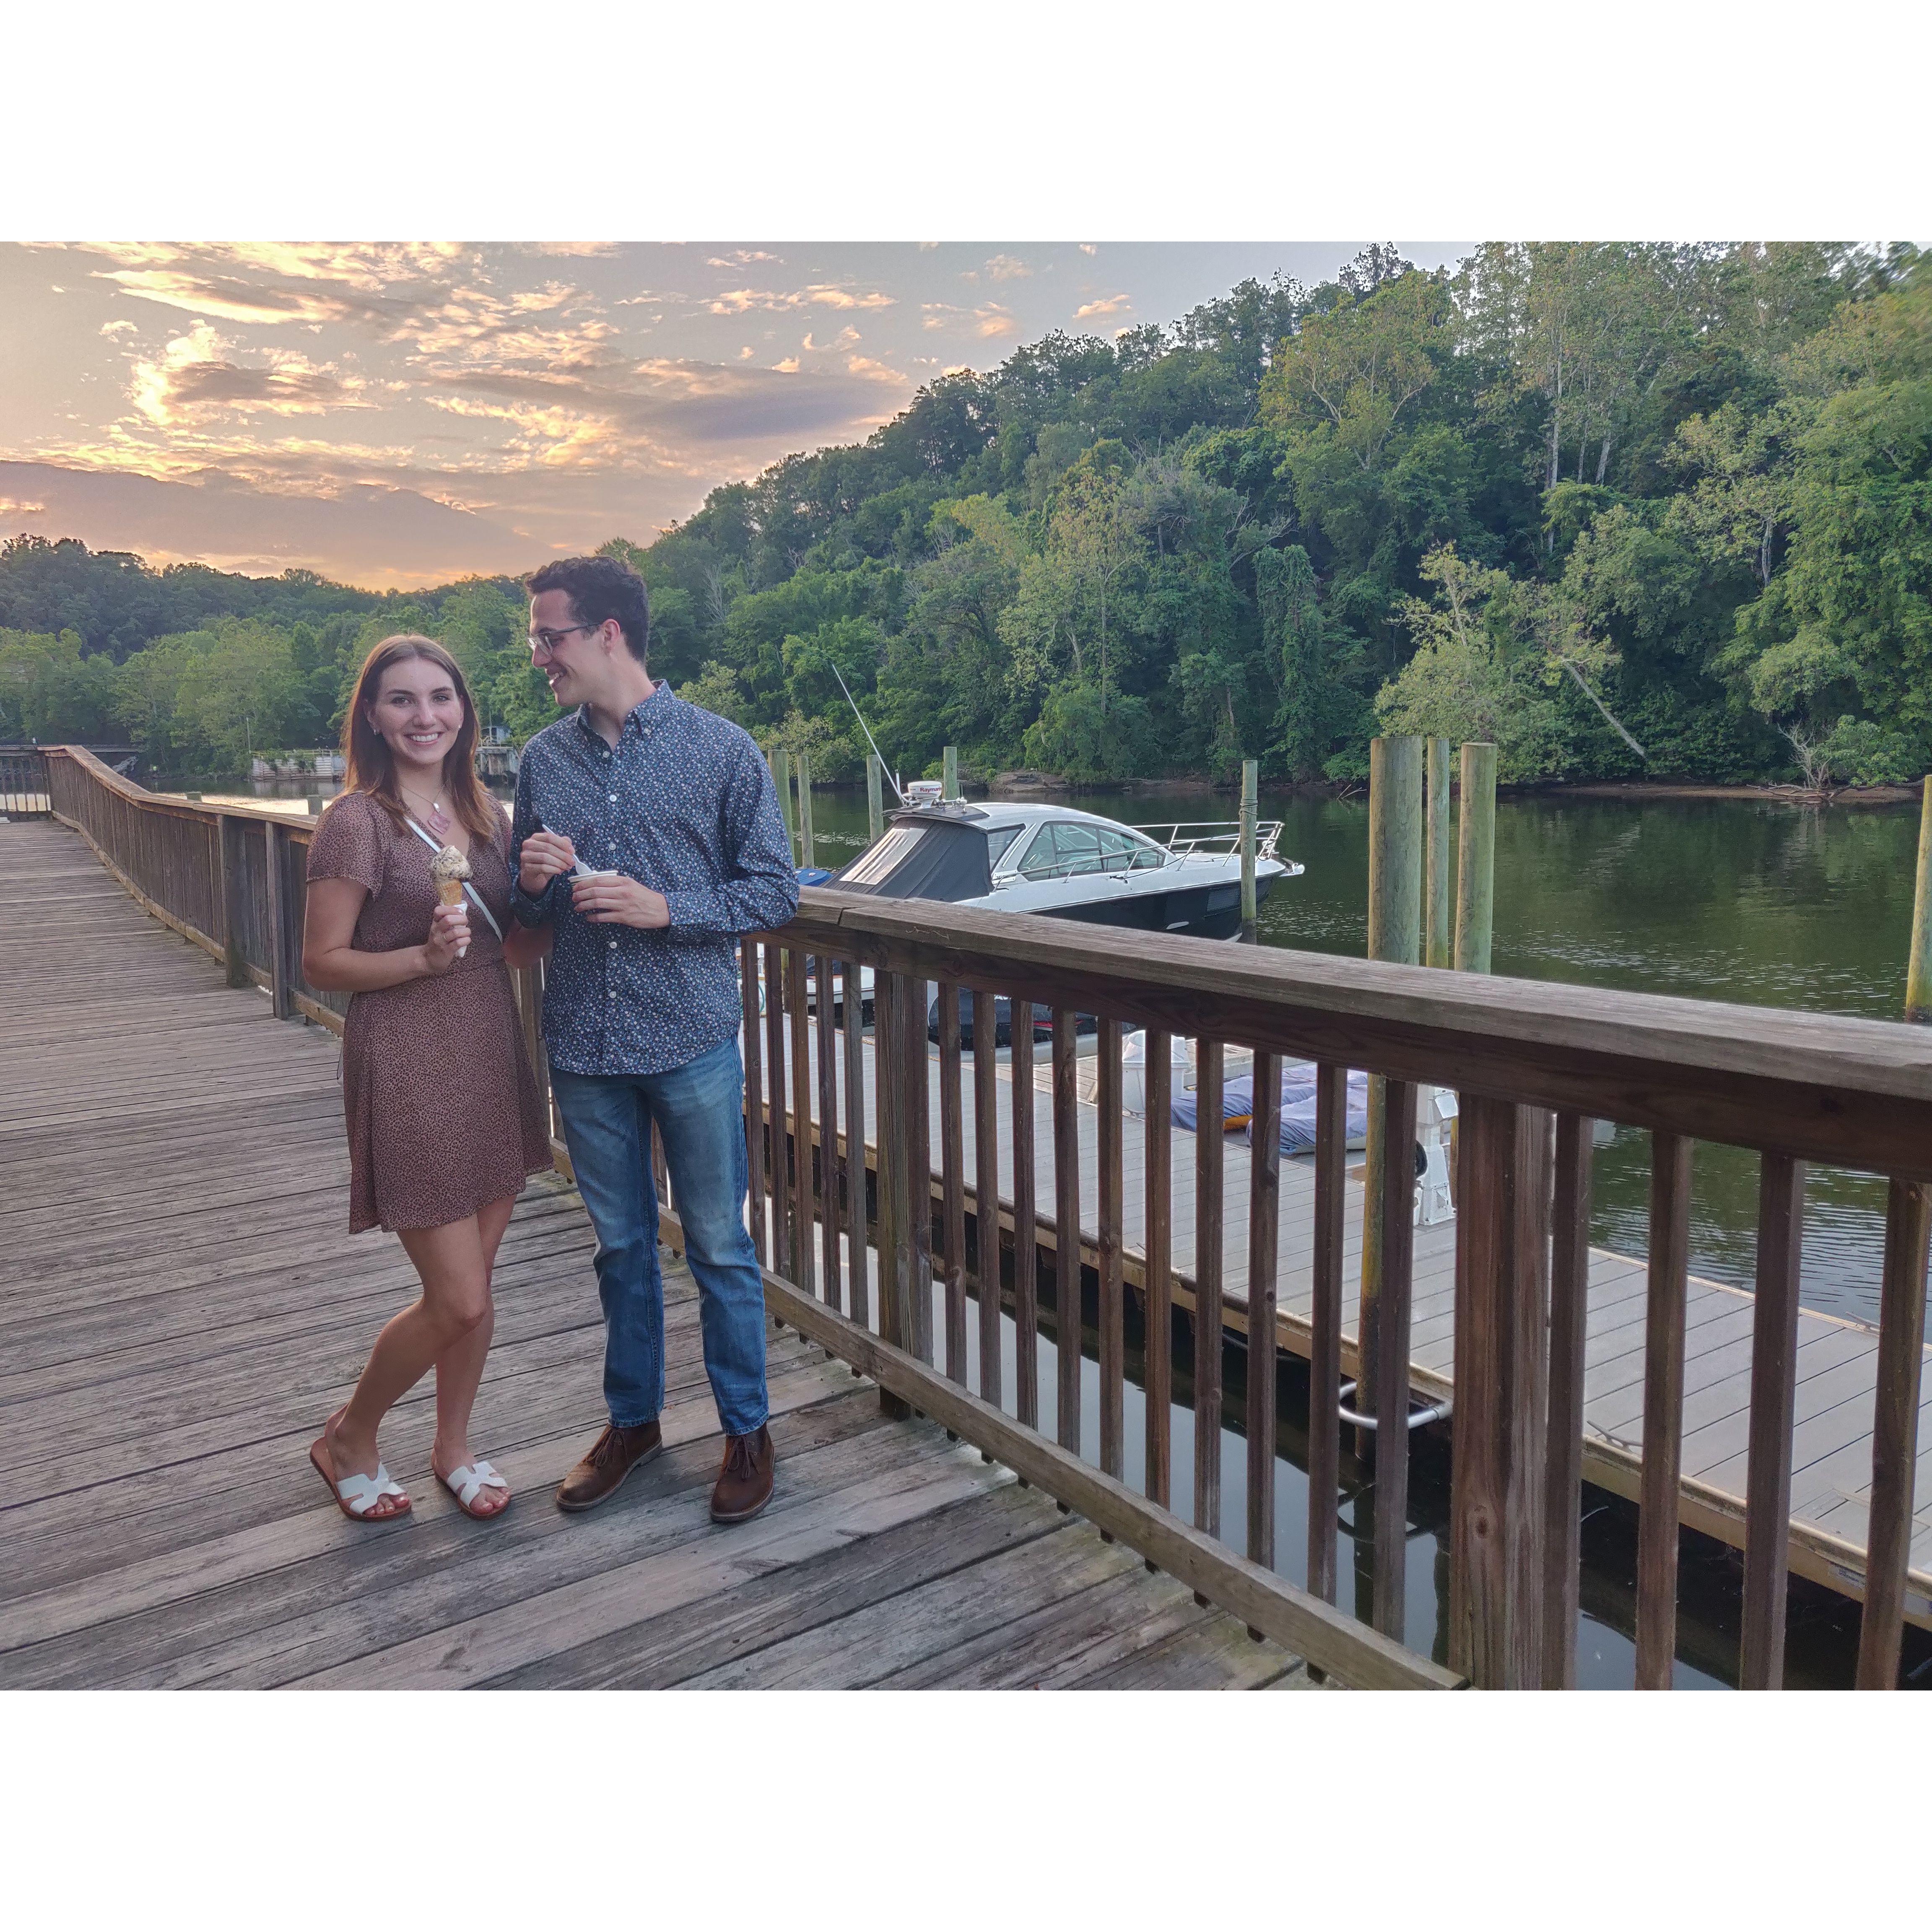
23,784
1535,1066
863,1233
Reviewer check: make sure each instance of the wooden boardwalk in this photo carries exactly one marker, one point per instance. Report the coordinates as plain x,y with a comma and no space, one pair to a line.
180,1305
1836,1363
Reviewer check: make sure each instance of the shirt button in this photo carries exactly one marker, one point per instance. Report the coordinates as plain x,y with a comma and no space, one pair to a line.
613,992
614,798
613,946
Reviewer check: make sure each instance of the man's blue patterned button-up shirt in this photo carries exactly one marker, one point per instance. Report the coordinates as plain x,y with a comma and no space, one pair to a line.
685,805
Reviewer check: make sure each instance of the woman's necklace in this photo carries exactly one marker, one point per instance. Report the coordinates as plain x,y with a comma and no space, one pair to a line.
435,818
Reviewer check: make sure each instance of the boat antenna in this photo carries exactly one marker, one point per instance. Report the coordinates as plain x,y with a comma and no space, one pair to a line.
891,777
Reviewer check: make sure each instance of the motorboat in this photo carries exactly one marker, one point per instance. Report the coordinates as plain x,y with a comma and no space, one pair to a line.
1059,863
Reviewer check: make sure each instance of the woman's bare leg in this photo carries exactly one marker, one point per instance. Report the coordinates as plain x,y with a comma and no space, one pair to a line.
454,1303
459,1368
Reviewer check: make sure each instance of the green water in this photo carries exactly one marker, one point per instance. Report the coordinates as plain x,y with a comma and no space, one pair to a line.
1720,899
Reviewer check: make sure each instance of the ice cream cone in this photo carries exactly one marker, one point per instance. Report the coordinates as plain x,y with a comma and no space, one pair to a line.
450,870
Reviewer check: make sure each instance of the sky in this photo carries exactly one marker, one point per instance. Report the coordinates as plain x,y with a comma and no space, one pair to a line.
395,414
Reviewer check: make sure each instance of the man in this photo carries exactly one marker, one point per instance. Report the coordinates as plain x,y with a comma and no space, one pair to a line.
648,832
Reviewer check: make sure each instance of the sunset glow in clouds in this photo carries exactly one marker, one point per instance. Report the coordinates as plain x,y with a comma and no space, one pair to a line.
402,413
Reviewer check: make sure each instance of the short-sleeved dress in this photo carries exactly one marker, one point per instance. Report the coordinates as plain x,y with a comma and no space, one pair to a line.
442,1107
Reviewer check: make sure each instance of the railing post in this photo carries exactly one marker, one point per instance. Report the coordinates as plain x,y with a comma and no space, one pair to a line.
1563,1466
1660,1490
1495,1569
948,782
1901,1339
279,975
228,894
888,992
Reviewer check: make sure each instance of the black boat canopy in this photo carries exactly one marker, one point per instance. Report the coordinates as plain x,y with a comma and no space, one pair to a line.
922,859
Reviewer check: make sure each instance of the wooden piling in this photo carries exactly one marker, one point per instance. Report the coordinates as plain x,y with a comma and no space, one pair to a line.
1438,941
949,783
1395,933
779,759
807,846
1918,971
1250,808
1476,859
875,810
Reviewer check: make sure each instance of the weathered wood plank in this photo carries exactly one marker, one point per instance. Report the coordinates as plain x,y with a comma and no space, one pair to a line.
1781,1229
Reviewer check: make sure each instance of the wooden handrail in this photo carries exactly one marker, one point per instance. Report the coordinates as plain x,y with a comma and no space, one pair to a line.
1854,1093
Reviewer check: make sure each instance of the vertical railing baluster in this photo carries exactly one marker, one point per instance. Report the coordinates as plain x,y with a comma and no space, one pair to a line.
1901,1343
889,994
783,1261
275,841
1111,1187
1324,1324
1066,1227
952,1179
1209,1143
804,1213
828,1134
1563,1473
1503,1184
1662,1410
1263,1262
1780,1228
755,1101
1157,1227
1026,1225
1392,1326
986,1190
916,1085
855,1139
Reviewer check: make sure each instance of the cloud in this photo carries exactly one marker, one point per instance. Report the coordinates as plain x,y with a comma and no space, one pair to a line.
193,378
995,319
741,258
1087,248
789,367
1105,305
738,302
123,327
844,339
1007,268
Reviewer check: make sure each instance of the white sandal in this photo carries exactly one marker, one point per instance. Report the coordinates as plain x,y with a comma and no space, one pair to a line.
356,1496
468,1483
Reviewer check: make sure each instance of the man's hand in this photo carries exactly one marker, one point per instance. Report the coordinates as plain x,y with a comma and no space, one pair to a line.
617,901
544,855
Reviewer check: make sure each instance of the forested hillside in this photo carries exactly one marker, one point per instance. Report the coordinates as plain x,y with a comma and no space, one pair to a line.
1625,509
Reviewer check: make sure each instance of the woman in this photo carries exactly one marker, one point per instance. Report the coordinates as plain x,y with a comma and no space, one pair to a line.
444,1119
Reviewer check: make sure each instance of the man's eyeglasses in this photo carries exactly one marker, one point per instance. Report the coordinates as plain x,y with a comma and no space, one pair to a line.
544,643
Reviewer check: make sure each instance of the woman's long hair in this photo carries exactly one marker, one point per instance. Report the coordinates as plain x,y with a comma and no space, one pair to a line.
368,766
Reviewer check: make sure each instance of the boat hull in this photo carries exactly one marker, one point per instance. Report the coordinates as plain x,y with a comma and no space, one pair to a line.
1210,911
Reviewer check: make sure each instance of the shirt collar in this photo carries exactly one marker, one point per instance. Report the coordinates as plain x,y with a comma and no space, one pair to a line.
650,712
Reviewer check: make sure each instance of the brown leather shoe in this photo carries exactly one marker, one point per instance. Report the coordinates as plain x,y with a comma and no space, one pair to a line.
745,1482
613,1456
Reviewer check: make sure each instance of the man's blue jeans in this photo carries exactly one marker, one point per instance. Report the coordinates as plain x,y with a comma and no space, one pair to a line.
699,1108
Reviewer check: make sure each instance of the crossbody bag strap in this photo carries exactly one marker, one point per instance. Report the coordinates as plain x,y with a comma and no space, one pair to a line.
470,891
